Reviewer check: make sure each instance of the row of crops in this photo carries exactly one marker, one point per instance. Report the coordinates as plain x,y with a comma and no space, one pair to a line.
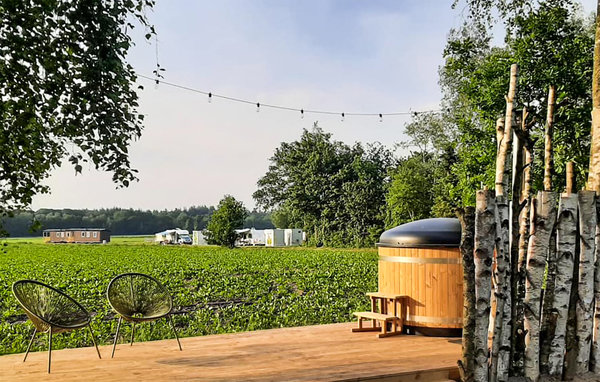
214,290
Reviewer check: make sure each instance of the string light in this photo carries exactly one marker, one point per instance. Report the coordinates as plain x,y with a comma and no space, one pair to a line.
279,107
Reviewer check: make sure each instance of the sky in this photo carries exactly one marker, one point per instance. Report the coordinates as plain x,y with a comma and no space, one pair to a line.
344,56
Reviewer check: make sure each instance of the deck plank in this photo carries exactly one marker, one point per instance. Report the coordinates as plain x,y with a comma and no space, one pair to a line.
310,353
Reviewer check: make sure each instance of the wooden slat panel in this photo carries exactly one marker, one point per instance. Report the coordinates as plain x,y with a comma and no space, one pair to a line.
434,287
311,353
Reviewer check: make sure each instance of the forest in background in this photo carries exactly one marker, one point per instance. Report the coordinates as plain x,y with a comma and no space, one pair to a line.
120,221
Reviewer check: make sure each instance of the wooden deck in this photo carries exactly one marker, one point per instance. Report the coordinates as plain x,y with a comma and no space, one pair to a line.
311,353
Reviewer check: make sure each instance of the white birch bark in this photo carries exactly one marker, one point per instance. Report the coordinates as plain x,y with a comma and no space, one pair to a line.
595,360
566,232
548,316
485,234
518,336
502,328
501,325
548,152
466,217
594,167
543,216
585,297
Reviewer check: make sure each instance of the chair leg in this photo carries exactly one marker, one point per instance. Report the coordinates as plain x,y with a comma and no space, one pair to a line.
174,331
94,340
30,342
116,336
132,332
49,348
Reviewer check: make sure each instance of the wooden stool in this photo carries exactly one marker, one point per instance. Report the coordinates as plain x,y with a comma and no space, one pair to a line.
379,313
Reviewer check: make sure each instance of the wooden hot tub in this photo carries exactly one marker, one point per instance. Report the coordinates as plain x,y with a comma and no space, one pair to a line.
422,260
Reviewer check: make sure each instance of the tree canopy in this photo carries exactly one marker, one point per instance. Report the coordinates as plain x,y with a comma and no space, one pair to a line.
333,191
229,216
552,42
66,91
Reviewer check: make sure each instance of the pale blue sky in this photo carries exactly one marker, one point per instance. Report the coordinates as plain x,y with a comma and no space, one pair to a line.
352,56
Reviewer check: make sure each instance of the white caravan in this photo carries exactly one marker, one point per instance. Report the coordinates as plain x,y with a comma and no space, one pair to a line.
173,236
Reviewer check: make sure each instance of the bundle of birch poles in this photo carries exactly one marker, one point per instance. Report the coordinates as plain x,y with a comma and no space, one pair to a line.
531,266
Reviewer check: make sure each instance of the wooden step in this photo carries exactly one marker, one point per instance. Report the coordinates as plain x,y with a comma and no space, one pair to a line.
376,316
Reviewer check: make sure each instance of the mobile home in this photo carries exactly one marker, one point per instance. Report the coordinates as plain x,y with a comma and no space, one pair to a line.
76,235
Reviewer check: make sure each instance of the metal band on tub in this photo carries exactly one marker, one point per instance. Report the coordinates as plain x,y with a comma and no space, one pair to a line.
421,260
433,320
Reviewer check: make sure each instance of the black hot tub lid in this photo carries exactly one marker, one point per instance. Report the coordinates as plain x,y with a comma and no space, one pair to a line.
436,232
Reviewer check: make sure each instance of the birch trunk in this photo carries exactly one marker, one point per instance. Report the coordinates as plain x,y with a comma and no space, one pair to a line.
571,341
548,154
485,233
504,146
501,337
518,339
543,215
515,210
548,315
594,168
467,364
595,360
566,233
585,298
501,326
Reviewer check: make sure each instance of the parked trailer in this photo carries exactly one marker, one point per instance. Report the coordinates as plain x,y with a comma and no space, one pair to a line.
173,236
249,237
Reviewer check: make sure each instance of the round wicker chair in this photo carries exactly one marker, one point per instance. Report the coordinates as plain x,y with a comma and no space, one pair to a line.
137,297
51,311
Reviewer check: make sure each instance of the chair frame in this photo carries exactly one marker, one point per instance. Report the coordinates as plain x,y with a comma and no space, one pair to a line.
51,326
135,320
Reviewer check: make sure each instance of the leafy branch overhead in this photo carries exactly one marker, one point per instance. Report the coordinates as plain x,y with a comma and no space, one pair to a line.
66,91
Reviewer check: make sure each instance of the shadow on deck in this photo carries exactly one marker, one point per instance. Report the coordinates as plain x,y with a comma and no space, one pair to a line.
310,353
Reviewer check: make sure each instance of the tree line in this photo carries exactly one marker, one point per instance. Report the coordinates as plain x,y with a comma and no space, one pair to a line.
121,221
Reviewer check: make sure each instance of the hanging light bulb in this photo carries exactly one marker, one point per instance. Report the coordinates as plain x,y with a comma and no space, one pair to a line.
343,117
380,117
258,107
301,113
209,97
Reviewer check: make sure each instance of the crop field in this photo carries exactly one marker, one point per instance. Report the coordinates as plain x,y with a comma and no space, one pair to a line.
214,290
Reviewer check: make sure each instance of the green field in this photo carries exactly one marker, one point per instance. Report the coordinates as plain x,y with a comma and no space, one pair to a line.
215,290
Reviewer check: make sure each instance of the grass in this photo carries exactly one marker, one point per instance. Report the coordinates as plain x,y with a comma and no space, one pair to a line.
215,290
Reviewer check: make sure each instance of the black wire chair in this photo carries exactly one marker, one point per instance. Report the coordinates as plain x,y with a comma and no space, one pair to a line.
51,311
137,297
